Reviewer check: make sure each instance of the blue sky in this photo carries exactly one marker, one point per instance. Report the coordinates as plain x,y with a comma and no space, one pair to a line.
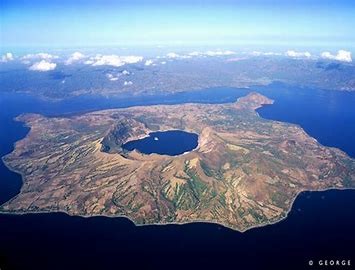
311,23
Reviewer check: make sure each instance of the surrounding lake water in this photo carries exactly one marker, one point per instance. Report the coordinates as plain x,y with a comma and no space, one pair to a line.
320,225
170,142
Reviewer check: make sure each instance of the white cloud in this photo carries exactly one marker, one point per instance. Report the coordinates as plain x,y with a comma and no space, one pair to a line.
148,62
126,83
212,53
295,54
219,53
257,53
131,59
43,65
44,56
115,77
112,77
113,60
342,55
43,61
163,63
7,57
89,62
74,58
173,55
195,53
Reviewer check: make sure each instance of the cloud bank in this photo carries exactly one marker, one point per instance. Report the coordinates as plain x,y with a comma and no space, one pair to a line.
172,55
212,53
219,53
112,77
342,55
113,60
7,57
127,83
43,65
40,61
74,58
44,56
258,53
115,77
295,54
148,63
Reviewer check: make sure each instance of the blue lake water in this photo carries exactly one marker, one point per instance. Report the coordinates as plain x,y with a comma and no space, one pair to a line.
320,225
328,116
170,142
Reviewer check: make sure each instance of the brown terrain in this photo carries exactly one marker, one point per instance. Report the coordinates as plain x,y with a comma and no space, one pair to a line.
245,172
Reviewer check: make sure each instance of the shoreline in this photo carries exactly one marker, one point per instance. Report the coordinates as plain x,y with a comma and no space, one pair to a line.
20,213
